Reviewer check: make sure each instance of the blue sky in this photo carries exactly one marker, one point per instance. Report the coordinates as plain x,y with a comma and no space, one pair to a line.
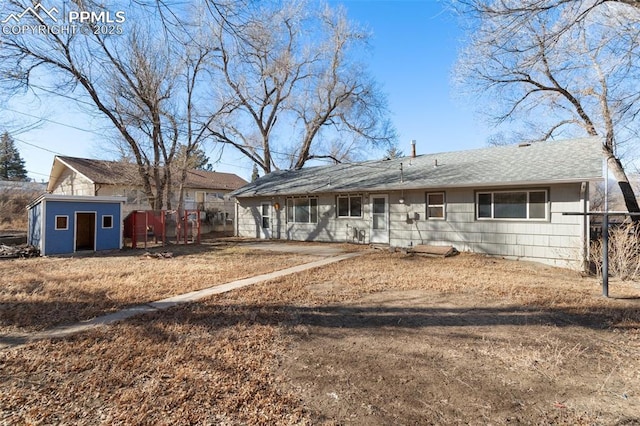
413,50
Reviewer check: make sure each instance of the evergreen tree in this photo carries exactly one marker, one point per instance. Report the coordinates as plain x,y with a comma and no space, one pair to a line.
393,152
197,159
11,164
254,174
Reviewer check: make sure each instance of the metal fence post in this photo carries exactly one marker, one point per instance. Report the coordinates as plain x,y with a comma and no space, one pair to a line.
605,254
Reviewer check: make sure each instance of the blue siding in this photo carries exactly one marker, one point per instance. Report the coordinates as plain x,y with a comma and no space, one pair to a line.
62,241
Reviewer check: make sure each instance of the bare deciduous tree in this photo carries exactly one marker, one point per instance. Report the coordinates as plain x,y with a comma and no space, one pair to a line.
268,80
142,81
295,86
139,90
568,67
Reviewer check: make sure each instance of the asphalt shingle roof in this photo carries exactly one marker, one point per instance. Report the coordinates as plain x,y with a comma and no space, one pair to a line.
115,172
573,160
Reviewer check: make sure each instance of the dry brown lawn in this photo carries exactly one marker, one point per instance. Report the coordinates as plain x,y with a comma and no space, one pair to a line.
40,293
379,339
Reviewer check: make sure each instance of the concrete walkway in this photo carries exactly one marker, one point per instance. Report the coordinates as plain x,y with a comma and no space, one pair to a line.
15,340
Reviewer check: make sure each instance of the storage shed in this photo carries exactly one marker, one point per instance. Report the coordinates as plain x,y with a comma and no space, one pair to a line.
64,224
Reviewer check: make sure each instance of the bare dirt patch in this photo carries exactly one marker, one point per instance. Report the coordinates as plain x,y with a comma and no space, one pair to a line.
379,339
393,339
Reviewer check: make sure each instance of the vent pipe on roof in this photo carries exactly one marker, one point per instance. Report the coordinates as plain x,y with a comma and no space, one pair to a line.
413,148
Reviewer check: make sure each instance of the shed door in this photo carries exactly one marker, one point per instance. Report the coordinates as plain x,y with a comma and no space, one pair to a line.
85,231
379,219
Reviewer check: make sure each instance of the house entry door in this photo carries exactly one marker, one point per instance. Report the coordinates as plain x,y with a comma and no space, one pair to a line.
379,219
265,223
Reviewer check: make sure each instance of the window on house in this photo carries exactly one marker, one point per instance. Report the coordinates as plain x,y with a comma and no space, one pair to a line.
512,205
199,197
435,205
349,206
266,214
107,221
133,196
62,223
302,210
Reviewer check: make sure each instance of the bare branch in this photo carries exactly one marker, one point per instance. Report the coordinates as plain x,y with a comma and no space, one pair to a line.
557,63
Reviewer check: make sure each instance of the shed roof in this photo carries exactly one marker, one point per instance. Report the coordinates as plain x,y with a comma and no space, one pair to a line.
119,173
77,199
538,163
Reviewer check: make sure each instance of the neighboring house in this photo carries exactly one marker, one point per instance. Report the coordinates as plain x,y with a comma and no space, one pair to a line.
63,224
204,190
505,201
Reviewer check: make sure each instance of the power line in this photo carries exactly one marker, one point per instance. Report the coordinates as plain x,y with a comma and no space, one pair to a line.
180,131
80,101
36,146
36,173
51,121
377,167
232,165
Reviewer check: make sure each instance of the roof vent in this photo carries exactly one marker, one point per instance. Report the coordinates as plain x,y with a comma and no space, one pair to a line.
523,144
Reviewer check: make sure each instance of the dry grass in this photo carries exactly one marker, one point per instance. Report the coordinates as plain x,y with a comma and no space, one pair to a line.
623,253
13,206
43,292
525,284
191,367
379,339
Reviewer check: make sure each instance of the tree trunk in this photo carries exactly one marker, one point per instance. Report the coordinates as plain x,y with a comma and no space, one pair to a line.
615,166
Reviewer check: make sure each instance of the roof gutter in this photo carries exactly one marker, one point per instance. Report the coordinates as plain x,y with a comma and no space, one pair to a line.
406,187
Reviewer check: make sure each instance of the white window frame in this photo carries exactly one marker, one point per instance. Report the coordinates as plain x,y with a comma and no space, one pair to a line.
292,205
350,214
443,205
528,209
264,216
55,225
102,222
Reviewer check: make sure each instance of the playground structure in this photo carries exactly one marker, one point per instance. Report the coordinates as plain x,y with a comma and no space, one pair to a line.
159,227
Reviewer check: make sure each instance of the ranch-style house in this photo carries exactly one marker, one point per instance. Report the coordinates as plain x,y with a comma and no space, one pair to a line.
504,201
